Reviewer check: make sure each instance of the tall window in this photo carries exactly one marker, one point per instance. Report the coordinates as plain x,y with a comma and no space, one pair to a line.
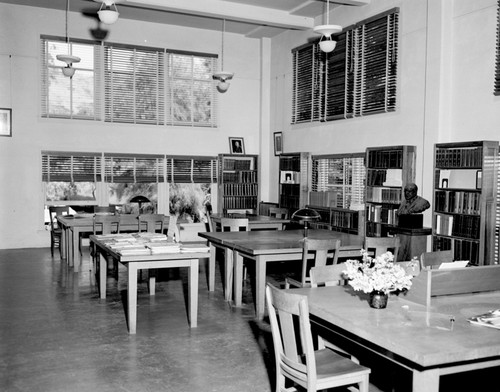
357,79
124,84
342,174
496,89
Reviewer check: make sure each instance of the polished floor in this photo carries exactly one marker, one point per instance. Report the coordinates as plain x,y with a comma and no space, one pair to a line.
57,335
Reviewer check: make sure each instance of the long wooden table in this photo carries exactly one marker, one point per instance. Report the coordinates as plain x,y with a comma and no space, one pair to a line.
264,247
152,261
74,225
255,222
425,342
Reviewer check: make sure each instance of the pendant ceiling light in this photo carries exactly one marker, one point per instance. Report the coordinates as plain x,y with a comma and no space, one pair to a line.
68,58
107,14
223,76
327,43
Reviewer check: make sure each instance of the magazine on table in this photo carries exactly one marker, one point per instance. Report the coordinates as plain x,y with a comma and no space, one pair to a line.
489,319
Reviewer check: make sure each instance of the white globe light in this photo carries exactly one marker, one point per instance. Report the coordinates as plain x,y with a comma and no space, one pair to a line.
223,86
108,16
327,46
68,71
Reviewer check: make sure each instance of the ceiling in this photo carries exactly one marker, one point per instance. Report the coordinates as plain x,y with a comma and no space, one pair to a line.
252,18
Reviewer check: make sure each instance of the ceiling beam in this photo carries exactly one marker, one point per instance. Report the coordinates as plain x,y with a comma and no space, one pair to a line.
230,11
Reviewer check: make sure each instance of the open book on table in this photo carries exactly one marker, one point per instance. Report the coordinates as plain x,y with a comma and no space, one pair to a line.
489,319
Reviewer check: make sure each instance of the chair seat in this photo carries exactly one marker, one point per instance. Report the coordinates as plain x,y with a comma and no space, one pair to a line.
328,362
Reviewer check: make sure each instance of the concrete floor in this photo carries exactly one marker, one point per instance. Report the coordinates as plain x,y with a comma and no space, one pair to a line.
56,335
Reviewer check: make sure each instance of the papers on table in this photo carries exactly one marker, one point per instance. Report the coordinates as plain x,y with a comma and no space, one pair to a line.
195,248
490,319
454,264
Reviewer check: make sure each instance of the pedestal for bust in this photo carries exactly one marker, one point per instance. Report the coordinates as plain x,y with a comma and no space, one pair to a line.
413,241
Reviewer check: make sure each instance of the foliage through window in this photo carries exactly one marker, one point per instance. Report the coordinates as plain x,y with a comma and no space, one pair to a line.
358,78
125,84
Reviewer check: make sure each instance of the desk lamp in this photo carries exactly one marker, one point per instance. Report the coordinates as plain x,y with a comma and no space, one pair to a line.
140,200
306,215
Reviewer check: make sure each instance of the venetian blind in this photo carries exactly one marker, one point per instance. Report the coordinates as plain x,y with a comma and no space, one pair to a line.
71,166
496,90
183,169
134,84
134,168
191,93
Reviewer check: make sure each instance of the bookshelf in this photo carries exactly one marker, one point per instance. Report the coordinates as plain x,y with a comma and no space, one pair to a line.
339,219
464,208
294,180
388,170
238,182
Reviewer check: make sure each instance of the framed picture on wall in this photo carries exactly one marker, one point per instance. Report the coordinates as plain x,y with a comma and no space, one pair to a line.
236,145
278,143
5,122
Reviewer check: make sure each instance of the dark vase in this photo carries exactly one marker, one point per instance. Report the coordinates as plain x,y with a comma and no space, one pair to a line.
378,300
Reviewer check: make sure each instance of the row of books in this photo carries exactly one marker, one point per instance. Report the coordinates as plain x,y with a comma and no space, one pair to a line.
344,219
381,214
383,195
241,189
459,157
466,226
327,226
237,164
462,249
460,202
384,177
374,229
290,189
289,201
290,163
241,176
385,158
240,202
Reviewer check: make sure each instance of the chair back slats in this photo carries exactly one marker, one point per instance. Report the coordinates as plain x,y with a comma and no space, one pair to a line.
432,260
234,224
106,224
327,275
375,246
152,223
281,213
55,211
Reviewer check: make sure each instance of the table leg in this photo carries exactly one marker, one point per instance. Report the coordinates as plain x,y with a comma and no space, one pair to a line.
228,272
211,268
103,269
260,286
238,278
77,257
193,292
63,242
426,381
132,297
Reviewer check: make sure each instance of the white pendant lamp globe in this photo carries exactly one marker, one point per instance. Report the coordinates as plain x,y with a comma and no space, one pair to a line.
223,76
327,43
68,71
106,13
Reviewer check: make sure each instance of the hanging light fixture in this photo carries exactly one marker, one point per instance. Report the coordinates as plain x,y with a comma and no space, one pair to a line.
223,76
68,58
327,43
108,15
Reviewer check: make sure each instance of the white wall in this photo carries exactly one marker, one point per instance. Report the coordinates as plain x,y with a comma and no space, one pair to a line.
21,201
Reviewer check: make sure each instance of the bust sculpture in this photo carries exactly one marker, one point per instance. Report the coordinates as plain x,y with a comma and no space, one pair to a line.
413,204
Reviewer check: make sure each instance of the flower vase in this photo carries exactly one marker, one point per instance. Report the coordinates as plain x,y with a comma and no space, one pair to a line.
378,299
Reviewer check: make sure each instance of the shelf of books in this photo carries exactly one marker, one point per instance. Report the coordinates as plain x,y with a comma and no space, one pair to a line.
293,177
238,182
464,208
388,170
339,219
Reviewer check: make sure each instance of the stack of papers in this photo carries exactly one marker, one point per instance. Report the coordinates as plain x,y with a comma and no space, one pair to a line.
194,248
150,237
489,319
163,247
132,251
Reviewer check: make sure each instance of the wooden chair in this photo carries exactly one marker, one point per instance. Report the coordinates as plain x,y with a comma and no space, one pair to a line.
104,224
321,249
232,224
281,213
55,230
152,223
327,275
375,246
295,356
432,260
264,207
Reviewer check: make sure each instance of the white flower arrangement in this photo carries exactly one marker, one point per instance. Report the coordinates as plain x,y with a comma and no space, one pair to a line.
376,274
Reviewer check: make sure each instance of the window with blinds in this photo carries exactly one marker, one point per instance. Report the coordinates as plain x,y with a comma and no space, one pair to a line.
133,168
191,98
343,174
77,97
358,78
127,84
202,170
71,166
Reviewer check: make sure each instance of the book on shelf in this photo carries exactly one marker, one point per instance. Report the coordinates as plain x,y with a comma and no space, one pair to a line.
489,319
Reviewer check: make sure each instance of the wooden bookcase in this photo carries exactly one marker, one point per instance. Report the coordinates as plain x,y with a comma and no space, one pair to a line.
294,174
238,183
464,208
388,170
340,219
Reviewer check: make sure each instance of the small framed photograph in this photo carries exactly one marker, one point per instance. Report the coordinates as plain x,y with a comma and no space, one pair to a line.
5,122
278,143
236,145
